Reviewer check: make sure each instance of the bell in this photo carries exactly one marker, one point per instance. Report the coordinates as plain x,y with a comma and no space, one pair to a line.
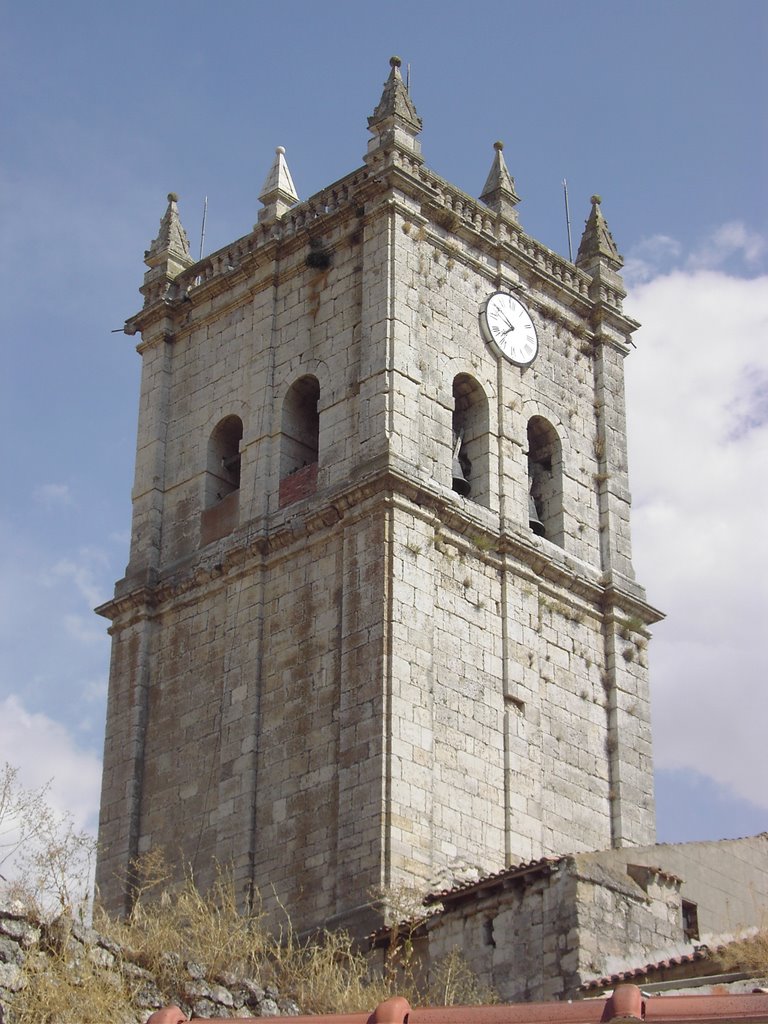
533,517
460,483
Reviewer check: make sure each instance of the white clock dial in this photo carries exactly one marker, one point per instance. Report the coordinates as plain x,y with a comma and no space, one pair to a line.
507,327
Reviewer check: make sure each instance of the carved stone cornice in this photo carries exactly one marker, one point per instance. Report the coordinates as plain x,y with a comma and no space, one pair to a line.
611,326
617,595
138,603
460,523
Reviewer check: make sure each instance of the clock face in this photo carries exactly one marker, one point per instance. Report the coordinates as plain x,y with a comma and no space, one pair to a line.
507,327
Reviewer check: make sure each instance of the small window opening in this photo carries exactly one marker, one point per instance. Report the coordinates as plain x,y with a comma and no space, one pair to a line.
223,465
488,938
545,481
690,921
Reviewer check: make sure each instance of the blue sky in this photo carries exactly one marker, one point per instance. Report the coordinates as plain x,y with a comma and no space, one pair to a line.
659,107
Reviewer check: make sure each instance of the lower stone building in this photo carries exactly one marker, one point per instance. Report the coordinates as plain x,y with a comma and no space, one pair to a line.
546,929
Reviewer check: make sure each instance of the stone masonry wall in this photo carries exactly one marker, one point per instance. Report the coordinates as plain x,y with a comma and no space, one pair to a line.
621,922
522,943
726,879
577,707
544,937
544,932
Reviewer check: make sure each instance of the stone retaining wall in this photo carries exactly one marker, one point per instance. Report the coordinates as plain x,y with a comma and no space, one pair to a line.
23,940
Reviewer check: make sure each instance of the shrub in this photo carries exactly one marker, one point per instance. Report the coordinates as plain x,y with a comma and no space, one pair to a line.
47,860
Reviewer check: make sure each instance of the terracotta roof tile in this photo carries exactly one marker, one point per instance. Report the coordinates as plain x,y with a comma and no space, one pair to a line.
411,928
626,1005
659,872
545,865
636,973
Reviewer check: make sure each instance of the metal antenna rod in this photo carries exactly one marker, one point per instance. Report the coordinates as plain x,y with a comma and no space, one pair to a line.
202,231
567,220
408,78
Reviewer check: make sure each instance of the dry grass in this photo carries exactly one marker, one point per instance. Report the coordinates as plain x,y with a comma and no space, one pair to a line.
60,989
749,955
329,977
454,983
176,930
169,927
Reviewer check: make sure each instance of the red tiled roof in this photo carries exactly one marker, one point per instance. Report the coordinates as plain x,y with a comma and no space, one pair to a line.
609,980
545,865
411,928
626,1005
659,872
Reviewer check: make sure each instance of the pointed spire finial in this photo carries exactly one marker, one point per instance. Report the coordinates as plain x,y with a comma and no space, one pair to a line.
499,190
279,193
597,244
599,257
167,256
395,120
395,101
171,245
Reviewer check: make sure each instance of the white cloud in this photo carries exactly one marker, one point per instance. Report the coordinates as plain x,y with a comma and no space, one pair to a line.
728,246
44,751
731,239
650,257
750,408
83,574
698,410
84,629
52,646
53,495
95,690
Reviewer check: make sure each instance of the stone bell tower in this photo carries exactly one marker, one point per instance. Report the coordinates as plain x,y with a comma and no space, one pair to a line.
379,622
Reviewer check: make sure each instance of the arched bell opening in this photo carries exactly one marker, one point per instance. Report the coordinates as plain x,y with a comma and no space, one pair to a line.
223,460
300,426
470,441
299,440
545,481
